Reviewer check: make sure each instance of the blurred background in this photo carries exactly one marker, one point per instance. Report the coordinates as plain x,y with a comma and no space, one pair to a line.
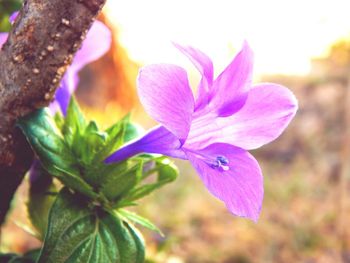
304,45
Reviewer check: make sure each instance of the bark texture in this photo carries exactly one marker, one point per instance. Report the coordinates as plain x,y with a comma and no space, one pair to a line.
41,44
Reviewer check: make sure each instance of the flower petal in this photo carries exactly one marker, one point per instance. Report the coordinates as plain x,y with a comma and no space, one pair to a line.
231,88
158,140
62,98
240,187
64,92
205,67
4,35
166,96
96,44
35,171
266,113
13,17
54,107
3,38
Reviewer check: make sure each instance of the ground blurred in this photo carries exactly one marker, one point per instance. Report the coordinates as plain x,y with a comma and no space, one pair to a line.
304,209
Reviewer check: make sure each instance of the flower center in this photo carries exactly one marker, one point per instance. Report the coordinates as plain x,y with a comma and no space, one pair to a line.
221,164
218,162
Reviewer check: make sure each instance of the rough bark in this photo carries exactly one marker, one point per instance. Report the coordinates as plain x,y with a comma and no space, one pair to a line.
41,44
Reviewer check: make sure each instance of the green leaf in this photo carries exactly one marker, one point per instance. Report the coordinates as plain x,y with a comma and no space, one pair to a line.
53,152
114,130
75,182
74,124
77,233
129,240
84,139
114,140
166,172
7,8
40,198
47,142
119,179
59,120
29,257
33,254
95,138
132,131
90,143
139,220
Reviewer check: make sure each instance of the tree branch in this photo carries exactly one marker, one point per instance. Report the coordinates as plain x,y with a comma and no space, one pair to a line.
41,44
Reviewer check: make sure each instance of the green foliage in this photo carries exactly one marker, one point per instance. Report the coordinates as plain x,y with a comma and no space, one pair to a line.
132,131
165,172
119,179
41,198
139,220
29,257
52,150
114,139
79,233
73,150
86,222
74,126
7,7
48,142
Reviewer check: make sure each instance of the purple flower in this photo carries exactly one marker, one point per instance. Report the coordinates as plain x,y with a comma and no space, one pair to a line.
13,17
96,44
3,37
215,130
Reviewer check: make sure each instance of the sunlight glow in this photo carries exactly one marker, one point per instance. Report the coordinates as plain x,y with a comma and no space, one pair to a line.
283,34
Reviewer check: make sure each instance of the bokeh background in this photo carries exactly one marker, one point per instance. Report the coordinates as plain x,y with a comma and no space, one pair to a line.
304,45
